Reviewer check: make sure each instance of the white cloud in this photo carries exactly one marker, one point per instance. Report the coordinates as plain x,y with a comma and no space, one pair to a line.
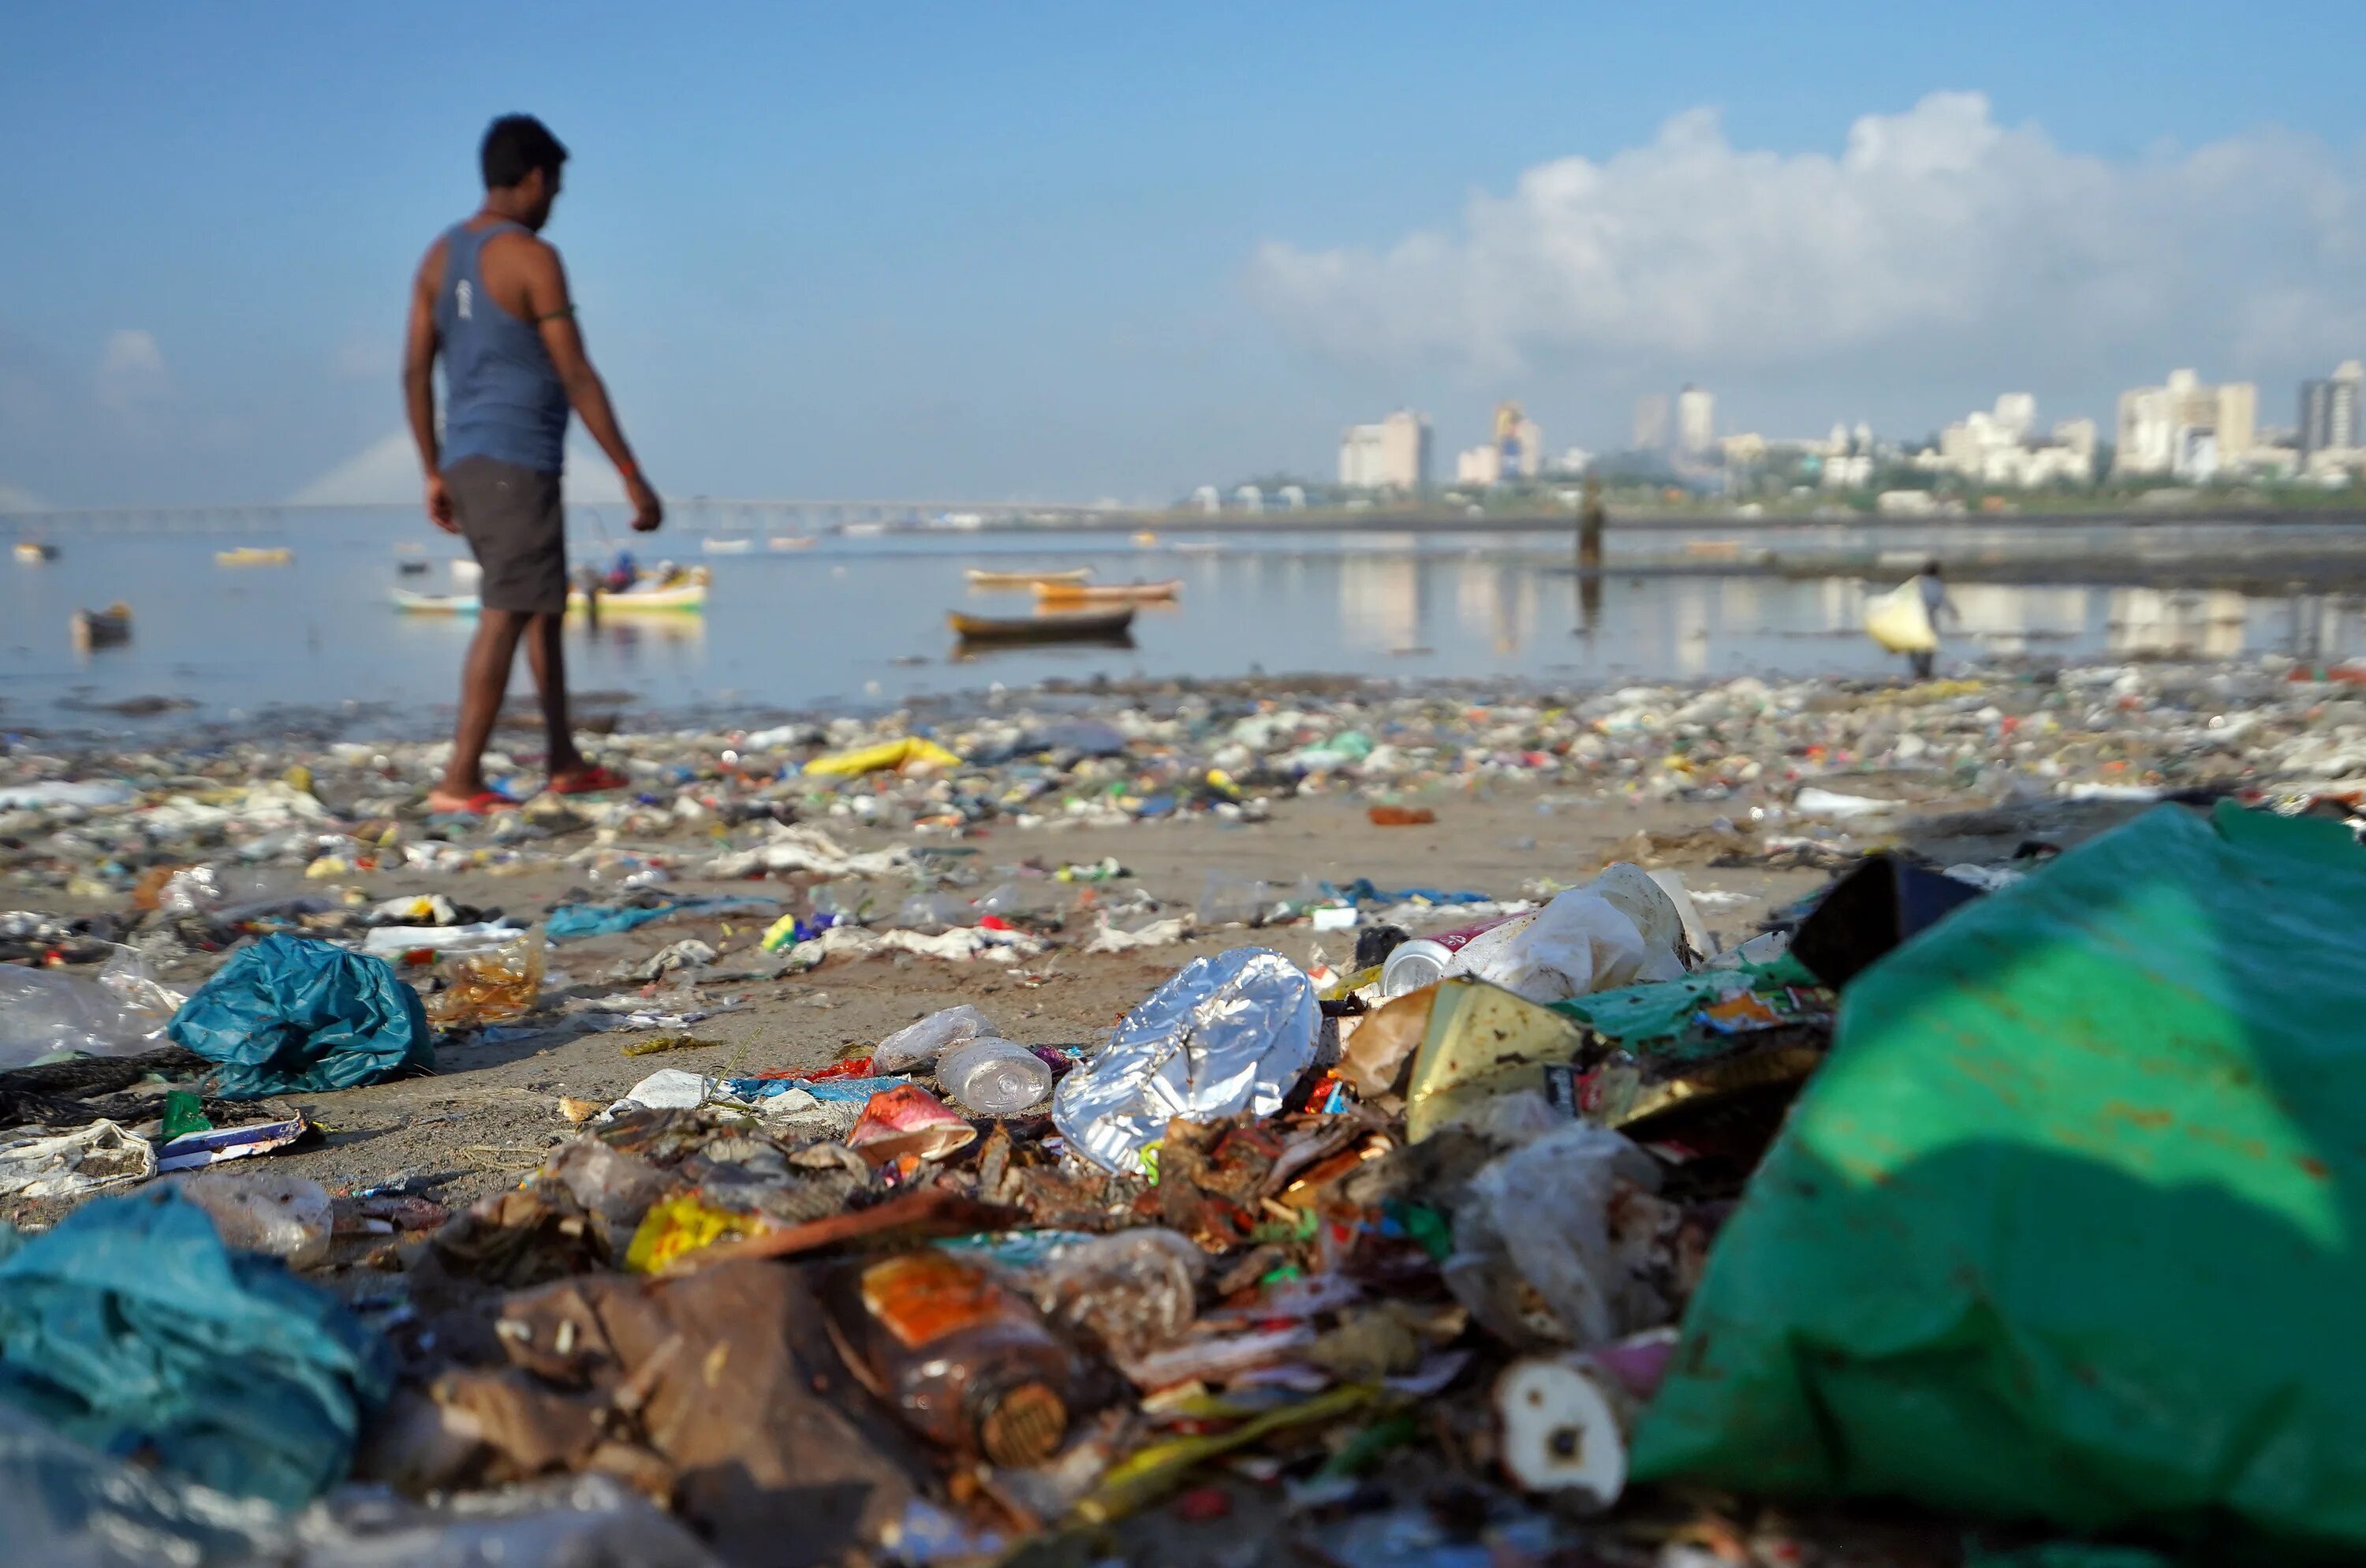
386,472
132,369
1934,233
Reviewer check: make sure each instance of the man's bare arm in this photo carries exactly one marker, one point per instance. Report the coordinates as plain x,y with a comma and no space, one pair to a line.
552,310
419,347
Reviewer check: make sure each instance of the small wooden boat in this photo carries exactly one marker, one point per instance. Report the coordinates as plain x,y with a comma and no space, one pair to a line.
254,555
33,552
100,629
1146,538
1078,625
790,542
1106,592
687,597
981,578
726,544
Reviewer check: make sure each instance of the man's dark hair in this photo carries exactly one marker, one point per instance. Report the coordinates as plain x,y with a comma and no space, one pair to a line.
516,145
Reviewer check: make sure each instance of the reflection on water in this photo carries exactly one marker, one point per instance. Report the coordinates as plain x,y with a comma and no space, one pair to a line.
863,621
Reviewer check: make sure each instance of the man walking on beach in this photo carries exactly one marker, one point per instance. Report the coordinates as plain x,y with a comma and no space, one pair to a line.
490,298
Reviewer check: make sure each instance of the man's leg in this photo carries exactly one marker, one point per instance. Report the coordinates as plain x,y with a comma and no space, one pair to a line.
547,656
484,681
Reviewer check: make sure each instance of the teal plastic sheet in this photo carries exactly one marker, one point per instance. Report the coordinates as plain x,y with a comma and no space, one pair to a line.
132,1329
2072,1224
572,922
1666,1012
290,1015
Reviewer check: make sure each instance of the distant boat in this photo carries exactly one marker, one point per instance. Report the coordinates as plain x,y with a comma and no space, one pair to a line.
1106,592
726,544
411,567
1078,625
863,530
790,542
1146,538
981,578
466,569
100,629
686,597
253,555
1197,547
33,552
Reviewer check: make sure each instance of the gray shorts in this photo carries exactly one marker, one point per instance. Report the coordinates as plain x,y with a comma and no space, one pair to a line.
516,526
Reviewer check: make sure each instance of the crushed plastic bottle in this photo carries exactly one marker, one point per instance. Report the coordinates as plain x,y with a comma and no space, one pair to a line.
287,1217
994,1077
916,1047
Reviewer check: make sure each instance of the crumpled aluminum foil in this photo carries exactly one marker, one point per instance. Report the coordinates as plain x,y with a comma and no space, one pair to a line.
1229,1033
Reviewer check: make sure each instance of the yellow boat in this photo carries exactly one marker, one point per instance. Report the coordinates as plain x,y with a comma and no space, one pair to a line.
1106,593
1146,538
981,578
249,554
33,552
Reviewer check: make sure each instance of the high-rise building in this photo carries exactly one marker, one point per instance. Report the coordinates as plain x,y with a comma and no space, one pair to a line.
2161,427
2238,421
1650,422
1395,452
1696,420
2330,414
1479,465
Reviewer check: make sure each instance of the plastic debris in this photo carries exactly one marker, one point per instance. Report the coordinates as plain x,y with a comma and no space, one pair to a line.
491,987
287,1015
63,1165
287,1217
1228,1034
917,1046
909,752
994,1077
2051,1235
129,1327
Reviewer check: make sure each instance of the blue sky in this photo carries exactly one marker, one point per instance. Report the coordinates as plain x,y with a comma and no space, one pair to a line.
1071,252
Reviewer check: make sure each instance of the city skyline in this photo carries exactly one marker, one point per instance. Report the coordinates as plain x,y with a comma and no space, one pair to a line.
1066,256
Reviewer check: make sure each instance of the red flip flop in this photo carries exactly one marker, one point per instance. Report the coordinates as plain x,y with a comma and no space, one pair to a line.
483,805
597,782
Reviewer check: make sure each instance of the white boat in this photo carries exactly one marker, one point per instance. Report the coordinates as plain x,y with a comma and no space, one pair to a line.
790,542
685,595
726,544
863,530
33,552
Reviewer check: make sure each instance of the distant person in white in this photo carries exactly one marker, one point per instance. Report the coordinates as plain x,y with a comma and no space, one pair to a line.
1933,586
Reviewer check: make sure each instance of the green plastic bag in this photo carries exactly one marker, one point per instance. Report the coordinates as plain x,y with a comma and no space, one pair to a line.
290,1015
2072,1226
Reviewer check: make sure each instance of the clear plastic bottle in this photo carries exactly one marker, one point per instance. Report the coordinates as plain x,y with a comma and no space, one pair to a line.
964,1360
994,1077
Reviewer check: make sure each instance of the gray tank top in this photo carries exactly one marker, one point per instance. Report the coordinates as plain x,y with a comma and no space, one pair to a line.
503,395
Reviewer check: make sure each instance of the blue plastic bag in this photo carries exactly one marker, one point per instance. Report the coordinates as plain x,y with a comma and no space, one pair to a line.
291,1015
131,1329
